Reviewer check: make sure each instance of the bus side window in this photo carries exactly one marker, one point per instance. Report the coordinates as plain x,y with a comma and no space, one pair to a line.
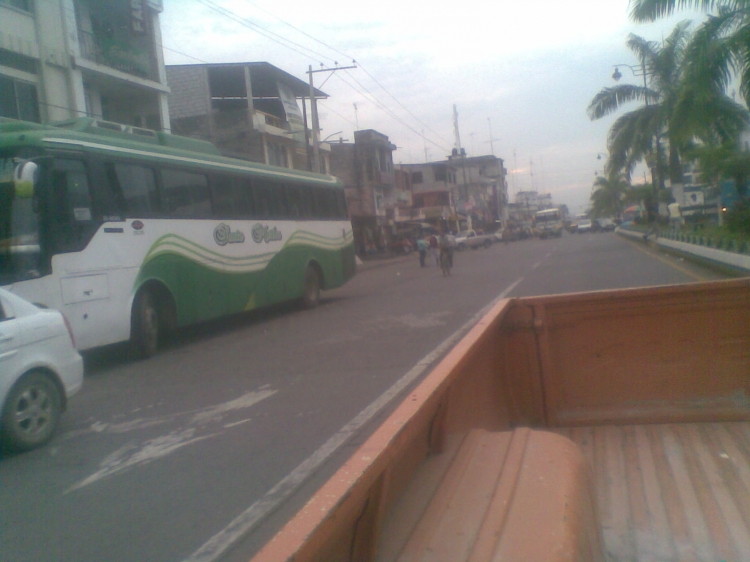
325,203
71,209
135,187
225,198
245,199
293,201
233,198
185,194
341,204
269,199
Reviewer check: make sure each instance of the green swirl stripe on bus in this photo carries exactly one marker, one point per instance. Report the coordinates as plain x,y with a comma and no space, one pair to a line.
196,253
173,244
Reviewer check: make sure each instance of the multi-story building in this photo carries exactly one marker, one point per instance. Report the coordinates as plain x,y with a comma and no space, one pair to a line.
248,110
474,190
366,169
62,59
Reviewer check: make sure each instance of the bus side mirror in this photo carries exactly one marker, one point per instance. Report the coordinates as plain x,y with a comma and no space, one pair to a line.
24,179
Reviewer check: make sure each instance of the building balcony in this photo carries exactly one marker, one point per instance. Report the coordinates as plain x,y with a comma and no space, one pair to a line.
422,214
126,58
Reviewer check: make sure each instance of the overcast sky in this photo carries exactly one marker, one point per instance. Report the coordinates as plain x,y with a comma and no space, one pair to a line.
525,70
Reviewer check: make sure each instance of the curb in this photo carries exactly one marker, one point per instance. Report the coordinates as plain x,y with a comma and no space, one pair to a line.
707,256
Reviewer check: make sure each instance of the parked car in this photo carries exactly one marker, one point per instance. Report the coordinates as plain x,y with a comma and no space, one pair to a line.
473,239
605,225
39,370
584,225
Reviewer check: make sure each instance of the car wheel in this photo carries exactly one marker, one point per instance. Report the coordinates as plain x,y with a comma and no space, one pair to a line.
146,324
31,412
487,243
311,295
461,247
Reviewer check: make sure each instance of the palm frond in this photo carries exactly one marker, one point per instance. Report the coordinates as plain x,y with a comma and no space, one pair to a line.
609,100
651,10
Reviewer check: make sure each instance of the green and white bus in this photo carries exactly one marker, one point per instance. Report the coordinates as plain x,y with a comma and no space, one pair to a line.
132,233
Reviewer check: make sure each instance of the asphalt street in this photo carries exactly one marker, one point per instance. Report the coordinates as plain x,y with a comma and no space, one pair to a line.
202,452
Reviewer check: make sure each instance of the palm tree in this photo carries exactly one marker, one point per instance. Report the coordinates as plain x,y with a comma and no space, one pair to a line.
729,25
684,102
638,135
608,195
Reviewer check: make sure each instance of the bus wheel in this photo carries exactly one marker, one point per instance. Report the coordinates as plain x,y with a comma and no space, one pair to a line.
146,324
311,296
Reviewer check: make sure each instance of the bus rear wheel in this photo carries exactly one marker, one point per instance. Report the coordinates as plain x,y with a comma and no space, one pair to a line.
311,295
146,324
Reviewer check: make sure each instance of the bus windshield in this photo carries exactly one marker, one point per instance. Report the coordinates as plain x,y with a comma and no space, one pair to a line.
19,230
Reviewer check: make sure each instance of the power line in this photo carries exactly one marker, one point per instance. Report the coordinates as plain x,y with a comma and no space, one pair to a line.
387,110
359,64
275,37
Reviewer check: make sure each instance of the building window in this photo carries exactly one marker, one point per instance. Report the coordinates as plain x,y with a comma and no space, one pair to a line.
19,62
416,177
18,100
24,5
276,155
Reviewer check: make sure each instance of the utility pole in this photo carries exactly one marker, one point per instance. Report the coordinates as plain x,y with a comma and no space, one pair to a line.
455,129
314,111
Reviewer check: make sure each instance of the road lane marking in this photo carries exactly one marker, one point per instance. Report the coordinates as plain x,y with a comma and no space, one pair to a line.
537,264
244,523
133,455
666,261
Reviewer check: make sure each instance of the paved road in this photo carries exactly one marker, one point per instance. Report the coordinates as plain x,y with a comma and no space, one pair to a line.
202,452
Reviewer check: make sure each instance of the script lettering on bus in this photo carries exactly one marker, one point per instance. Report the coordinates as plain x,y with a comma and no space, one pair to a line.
263,233
224,235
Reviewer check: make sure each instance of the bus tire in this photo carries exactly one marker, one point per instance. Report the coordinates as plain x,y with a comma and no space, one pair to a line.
146,324
311,294
31,411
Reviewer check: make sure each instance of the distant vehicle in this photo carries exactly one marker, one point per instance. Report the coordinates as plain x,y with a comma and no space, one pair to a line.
548,223
39,370
605,225
584,225
473,239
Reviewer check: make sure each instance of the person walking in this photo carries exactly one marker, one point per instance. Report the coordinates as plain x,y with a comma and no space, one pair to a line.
422,248
447,242
434,250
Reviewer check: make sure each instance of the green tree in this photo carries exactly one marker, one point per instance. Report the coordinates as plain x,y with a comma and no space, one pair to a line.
683,104
727,27
640,134
608,195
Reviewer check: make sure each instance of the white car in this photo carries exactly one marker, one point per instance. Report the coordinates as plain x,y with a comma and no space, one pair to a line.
584,225
39,370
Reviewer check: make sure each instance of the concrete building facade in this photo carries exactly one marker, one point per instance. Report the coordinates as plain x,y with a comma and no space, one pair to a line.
63,59
477,193
248,110
366,169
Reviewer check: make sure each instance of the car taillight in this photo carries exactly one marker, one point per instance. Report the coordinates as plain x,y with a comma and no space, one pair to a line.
70,330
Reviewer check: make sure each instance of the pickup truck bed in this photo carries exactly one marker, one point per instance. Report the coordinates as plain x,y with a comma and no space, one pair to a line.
648,391
671,491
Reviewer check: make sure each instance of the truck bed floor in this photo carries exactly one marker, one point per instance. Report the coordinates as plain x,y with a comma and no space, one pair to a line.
671,491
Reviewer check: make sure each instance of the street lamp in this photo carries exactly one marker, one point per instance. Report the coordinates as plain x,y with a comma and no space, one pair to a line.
641,71
329,136
637,71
